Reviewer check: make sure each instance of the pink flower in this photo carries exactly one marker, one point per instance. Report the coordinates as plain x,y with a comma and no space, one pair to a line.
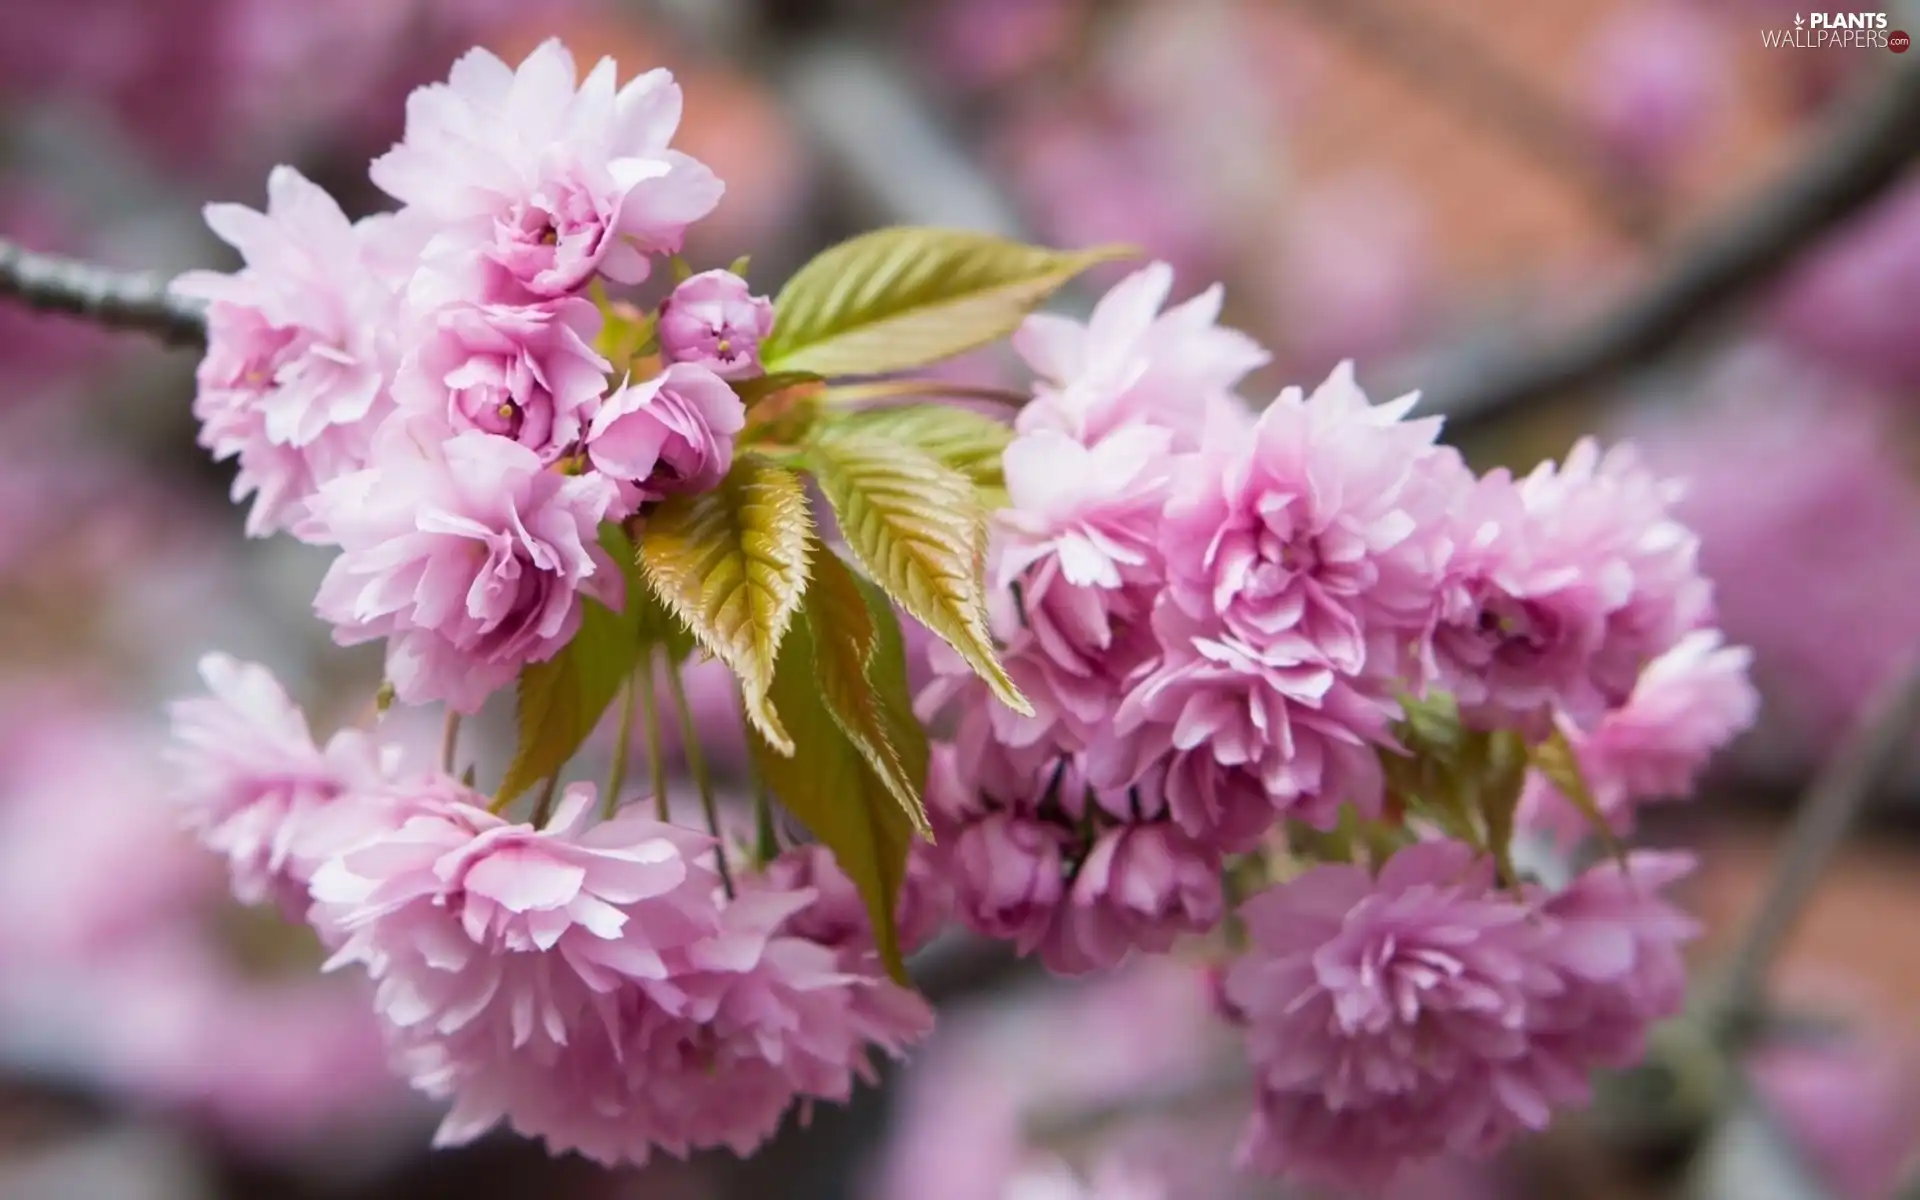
1689,702
467,556
1140,887
1305,732
837,917
1614,943
528,373
673,433
712,320
1317,532
496,948
1842,305
1095,509
1561,587
256,788
300,348
1007,877
1132,364
552,179
1387,1018
1846,1105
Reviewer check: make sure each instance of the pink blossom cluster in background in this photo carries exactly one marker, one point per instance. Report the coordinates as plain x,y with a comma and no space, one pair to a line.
1215,616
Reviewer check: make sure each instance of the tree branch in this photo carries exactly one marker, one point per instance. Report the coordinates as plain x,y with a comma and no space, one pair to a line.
115,299
1833,801
1867,152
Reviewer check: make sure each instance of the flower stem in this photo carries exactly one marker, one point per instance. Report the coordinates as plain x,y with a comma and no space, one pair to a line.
449,741
767,836
544,809
656,761
622,745
697,766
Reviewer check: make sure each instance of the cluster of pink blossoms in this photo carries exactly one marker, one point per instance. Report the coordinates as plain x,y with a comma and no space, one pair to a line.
589,982
1216,615
421,389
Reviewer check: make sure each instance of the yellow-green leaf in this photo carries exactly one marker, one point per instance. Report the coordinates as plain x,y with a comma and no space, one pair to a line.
1556,759
966,441
563,698
828,785
915,526
653,624
731,564
904,297
846,647
888,674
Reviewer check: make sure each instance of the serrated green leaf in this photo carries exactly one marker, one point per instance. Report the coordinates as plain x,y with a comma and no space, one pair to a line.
1555,758
731,564
888,674
563,698
846,649
916,528
966,441
907,296
827,784
752,391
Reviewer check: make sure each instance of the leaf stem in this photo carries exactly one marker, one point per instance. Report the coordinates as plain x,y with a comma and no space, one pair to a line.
449,741
767,836
697,766
622,746
650,709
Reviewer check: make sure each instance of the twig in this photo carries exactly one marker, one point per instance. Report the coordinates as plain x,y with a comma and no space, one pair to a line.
118,300
1831,804
1864,155
1446,63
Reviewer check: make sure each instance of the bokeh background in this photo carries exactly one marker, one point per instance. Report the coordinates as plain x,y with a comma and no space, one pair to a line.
1443,190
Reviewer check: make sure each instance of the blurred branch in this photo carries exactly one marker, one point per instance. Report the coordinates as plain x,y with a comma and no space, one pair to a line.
1831,805
1864,155
1440,59
118,300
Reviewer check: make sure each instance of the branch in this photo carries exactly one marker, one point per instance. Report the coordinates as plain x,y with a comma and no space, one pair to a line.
1442,60
117,300
1833,801
1863,157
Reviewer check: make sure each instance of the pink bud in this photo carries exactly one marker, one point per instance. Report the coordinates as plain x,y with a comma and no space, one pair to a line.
713,320
673,433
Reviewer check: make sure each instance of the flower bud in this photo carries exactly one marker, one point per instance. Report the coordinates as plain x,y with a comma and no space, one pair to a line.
713,320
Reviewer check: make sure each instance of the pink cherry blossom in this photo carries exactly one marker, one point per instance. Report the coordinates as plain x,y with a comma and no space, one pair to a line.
1690,702
1007,873
1844,1104
1614,943
467,556
1559,588
256,788
673,433
1094,508
1132,364
1654,75
1387,1018
1140,887
525,372
551,177
496,947
712,320
1306,732
1316,533
300,348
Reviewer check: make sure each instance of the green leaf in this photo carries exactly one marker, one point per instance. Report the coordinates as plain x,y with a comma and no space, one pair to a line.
916,528
888,675
846,649
731,564
966,441
1556,759
828,785
905,297
740,265
563,698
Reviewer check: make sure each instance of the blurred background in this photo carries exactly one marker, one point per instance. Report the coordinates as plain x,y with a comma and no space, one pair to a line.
1630,217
